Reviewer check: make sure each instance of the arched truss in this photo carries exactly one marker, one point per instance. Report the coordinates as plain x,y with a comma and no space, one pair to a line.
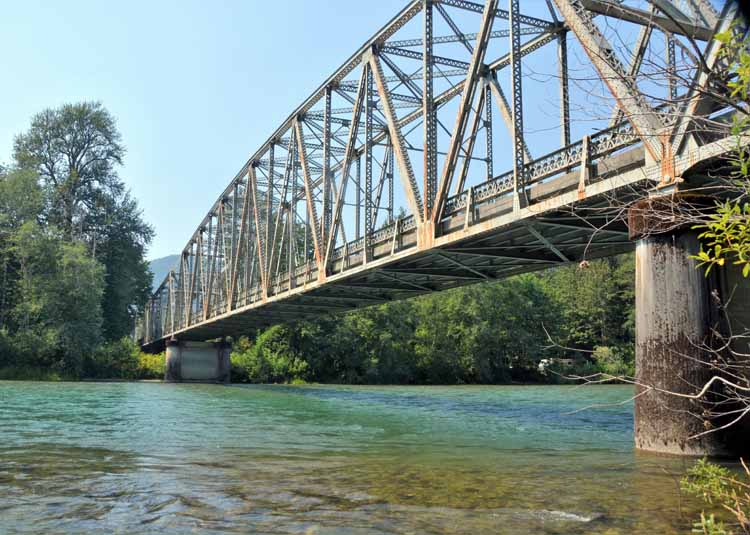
420,117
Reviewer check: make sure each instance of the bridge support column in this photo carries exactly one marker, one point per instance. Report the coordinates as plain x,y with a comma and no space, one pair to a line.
197,362
675,315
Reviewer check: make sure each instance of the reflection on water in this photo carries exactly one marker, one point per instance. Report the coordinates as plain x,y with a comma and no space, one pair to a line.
145,457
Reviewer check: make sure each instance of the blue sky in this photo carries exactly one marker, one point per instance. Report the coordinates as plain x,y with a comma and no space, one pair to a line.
195,86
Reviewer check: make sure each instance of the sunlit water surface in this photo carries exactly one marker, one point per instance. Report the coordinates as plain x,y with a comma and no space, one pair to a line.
161,458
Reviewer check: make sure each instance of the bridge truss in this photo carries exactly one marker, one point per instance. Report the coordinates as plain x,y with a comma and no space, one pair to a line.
383,184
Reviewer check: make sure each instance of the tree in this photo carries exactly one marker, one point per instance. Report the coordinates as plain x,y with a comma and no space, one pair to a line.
20,202
124,237
74,149
596,302
58,311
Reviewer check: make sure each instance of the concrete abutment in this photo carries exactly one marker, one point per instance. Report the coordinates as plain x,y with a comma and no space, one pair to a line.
197,362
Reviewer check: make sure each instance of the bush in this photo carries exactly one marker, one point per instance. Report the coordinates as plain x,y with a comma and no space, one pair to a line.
614,361
151,366
717,486
113,360
30,373
272,359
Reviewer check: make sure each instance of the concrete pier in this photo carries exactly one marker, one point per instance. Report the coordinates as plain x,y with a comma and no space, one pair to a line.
673,318
197,362
678,313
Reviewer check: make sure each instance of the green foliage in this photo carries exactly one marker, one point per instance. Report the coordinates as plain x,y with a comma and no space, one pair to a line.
30,373
708,525
717,486
72,246
121,249
595,303
486,333
737,50
618,362
74,151
114,360
726,236
273,358
58,311
21,199
151,366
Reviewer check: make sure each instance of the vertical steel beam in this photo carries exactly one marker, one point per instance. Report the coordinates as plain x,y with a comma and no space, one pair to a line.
325,224
390,183
190,284
358,198
233,243
211,268
200,282
226,256
241,240
262,266
269,207
472,79
288,173
489,156
170,295
562,63
292,210
519,178
369,108
429,114
671,68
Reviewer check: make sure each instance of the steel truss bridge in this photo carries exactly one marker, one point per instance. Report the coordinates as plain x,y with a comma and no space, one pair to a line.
421,116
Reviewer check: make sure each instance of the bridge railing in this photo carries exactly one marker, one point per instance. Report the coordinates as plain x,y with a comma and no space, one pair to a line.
560,161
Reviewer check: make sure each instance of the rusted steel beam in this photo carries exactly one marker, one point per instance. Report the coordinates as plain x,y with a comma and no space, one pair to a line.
406,173
472,78
311,209
623,88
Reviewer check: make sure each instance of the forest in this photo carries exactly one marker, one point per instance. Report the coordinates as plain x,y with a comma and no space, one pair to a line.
575,319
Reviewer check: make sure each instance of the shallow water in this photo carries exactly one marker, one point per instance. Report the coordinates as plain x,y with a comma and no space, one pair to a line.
163,458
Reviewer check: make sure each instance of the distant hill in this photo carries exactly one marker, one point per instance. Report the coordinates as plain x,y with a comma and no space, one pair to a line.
161,266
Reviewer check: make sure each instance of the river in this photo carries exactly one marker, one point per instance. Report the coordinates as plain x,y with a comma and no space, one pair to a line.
162,458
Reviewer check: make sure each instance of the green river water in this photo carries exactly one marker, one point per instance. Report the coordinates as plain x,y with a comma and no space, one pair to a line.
162,458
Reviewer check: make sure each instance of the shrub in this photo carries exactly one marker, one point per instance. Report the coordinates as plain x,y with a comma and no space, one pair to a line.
716,485
151,366
614,361
113,360
272,359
